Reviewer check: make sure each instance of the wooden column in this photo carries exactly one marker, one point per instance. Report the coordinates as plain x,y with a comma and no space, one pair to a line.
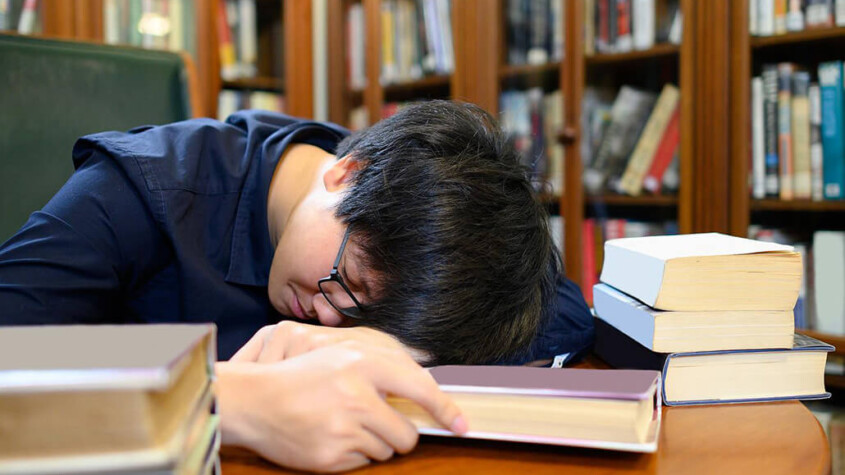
710,28
740,119
477,30
299,54
572,88
374,93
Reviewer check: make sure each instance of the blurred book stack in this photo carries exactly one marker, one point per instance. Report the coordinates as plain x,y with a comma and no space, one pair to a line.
713,312
108,399
620,26
779,17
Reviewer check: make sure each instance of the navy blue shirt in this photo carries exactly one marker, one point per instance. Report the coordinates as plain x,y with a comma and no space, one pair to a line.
169,224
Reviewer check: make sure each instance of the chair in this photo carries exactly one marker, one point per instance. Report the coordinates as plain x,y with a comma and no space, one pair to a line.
53,92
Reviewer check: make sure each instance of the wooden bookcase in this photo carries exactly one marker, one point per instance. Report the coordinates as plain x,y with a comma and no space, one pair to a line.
83,20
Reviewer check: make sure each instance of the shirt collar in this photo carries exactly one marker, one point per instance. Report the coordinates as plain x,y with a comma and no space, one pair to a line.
252,251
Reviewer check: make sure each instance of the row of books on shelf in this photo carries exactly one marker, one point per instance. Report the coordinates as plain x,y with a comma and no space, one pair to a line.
532,119
633,144
19,16
231,101
595,232
778,17
535,31
620,26
237,30
730,337
156,24
821,300
798,133
98,399
416,40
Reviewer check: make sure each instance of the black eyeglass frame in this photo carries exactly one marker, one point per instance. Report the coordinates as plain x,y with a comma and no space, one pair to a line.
355,312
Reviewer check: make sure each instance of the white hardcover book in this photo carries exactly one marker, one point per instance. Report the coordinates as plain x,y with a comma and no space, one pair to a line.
644,24
829,280
637,266
176,38
445,18
677,28
765,17
758,140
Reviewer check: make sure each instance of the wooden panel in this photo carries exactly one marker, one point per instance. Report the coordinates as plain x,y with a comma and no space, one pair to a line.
795,37
687,84
299,54
208,55
572,88
477,60
772,438
59,19
710,23
88,22
374,94
338,105
740,119
658,50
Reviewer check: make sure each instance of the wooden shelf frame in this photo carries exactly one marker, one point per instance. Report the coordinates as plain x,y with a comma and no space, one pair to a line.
261,83
806,36
657,51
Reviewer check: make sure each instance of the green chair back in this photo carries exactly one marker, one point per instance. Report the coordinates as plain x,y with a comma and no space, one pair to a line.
53,92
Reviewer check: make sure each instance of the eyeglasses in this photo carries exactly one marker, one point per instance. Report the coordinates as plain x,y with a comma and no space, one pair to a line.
335,290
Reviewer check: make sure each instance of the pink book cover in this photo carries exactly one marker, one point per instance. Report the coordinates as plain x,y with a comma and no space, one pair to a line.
631,385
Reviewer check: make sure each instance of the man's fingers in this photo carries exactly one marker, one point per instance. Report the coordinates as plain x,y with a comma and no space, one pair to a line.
404,378
252,349
374,447
389,426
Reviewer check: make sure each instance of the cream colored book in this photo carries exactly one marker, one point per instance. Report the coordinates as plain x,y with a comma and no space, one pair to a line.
103,391
604,409
704,272
670,332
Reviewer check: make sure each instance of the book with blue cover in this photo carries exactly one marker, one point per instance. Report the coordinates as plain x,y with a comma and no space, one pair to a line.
833,129
728,376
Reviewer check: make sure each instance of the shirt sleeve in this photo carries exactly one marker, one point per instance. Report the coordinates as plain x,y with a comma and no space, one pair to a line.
74,260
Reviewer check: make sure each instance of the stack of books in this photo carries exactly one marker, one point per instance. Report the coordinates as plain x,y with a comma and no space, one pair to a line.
713,312
108,399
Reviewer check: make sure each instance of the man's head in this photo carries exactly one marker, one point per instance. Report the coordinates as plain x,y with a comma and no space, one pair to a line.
445,228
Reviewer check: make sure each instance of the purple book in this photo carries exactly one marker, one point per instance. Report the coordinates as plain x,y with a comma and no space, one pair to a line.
605,409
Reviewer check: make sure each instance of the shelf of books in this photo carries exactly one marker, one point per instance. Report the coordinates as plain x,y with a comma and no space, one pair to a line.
790,163
250,39
627,70
406,44
24,17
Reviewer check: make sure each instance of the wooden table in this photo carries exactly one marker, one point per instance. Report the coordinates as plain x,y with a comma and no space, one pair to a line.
772,438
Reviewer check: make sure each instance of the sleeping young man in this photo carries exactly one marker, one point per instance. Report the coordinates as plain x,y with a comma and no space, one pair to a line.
416,241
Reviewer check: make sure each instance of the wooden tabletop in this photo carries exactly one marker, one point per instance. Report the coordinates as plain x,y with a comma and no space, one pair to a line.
771,438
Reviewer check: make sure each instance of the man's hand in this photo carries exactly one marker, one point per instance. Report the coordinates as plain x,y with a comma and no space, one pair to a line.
325,410
288,339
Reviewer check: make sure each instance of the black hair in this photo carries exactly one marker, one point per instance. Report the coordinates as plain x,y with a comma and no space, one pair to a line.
446,216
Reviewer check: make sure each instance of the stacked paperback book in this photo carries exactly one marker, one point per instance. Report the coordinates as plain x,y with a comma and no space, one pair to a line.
713,312
108,399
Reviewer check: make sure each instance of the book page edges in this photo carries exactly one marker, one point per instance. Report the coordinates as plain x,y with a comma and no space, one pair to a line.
635,322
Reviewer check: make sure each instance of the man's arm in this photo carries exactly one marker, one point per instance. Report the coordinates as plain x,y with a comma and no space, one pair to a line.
71,261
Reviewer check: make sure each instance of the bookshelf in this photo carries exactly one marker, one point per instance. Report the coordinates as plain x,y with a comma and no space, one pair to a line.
797,217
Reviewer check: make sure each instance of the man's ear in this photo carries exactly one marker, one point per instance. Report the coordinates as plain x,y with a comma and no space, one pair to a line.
337,177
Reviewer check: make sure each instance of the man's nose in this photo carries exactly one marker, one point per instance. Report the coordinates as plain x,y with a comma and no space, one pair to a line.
326,314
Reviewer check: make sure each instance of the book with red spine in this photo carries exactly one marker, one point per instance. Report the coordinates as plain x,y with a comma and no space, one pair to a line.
663,157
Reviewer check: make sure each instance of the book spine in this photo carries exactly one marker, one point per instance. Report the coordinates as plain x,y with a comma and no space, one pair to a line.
765,17
785,130
840,13
176,38
801,134
445,21
557,30
646,148
653,180
603,18
26,23
644,24
672,177
588,268
794,16
624,40
833,129
228,68
758,140
612,25
539,29
248,37
752,18
816,153
770,103
590,27
780,17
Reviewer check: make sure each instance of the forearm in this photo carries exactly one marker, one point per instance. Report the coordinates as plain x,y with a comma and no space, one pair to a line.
234,383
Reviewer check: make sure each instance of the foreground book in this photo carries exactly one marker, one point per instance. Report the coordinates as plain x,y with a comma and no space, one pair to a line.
704,272
605,409
106,398
713,377
669,332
